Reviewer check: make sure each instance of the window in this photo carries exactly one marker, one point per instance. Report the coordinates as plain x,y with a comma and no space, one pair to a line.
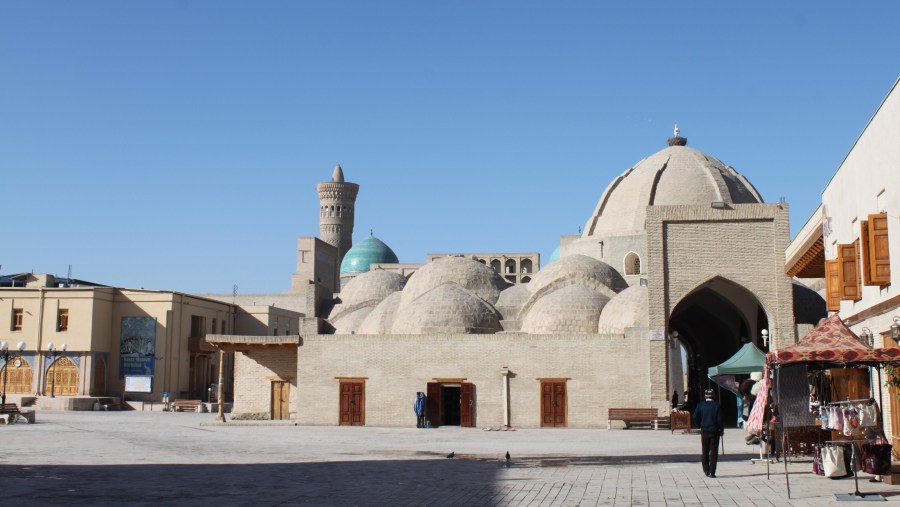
848,272
198,326
874,254
833,285
222,330
62,319
632,264
213,329
17,317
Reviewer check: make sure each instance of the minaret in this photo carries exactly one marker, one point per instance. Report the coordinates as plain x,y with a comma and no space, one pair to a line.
337,201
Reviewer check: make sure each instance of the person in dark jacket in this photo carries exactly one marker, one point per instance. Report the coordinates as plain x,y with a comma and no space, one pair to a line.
708,417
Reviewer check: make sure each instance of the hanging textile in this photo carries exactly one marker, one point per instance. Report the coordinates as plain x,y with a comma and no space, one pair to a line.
793,397
755,422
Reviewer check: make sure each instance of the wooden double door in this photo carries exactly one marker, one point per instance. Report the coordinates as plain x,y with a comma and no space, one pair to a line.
554,408
352,403
450,404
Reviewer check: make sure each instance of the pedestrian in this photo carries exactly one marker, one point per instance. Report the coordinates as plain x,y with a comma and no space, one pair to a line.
708,417
674,400
419,409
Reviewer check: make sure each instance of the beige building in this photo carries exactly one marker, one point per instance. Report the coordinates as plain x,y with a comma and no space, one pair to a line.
123,343
680,262
849,238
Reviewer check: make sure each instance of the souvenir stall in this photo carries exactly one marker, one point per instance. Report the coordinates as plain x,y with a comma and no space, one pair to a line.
734,373
822,398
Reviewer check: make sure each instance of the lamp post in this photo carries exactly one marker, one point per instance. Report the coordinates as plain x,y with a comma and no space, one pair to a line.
53,355
765,338
4,351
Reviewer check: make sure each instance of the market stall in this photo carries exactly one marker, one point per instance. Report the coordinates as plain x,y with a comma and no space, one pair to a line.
818,383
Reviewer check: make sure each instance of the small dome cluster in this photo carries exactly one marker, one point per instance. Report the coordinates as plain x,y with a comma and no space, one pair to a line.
459,295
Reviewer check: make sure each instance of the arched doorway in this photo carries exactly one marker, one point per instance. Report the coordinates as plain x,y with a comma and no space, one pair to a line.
713,322
19,376
62,378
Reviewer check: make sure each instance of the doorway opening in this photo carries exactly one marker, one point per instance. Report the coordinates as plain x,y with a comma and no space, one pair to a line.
450,404
711,324
450,399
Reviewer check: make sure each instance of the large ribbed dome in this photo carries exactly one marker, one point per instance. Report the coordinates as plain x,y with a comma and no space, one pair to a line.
675,175
365,253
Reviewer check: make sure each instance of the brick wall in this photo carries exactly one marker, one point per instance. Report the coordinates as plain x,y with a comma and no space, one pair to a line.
604,371
253,375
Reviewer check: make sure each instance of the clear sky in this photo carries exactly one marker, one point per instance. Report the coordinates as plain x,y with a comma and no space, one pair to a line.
176,145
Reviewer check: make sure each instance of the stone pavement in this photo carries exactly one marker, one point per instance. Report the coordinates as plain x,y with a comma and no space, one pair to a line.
150,458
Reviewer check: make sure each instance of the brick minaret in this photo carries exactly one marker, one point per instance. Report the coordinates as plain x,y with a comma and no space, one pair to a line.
337,200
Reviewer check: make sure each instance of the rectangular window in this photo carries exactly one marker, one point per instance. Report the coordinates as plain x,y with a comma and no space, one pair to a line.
874,255
198,326
17,317
213,326
848,255
62,319
222,331
833,285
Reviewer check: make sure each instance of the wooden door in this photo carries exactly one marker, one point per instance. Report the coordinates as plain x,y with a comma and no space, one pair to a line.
63,377
553,404
434,404
467,405
18,375
99,378
353,403
281,395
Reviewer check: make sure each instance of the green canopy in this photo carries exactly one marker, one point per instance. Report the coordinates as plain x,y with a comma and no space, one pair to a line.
746,361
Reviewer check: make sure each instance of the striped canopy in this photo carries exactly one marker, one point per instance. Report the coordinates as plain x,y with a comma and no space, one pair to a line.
832,342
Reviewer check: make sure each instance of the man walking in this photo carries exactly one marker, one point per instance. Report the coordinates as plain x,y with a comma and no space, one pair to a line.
708,417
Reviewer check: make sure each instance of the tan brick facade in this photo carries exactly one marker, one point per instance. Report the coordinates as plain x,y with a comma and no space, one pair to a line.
254,372
603,371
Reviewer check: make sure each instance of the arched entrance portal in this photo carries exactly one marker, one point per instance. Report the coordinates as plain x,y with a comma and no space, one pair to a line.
62,378
18,378
713,322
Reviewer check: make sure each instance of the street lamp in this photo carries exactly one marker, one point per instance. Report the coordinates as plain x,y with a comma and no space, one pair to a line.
765,338
53,355
4,351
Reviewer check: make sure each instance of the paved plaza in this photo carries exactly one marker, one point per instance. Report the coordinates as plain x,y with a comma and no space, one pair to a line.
157,458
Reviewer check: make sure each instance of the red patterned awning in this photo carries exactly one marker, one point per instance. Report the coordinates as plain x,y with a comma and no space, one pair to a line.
832,342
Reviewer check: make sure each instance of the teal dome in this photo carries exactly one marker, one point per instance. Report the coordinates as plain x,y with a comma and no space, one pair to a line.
554,256
365,253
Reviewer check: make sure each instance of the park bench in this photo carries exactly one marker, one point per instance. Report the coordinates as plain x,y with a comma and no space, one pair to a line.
107,404
635,417
12,413
185,405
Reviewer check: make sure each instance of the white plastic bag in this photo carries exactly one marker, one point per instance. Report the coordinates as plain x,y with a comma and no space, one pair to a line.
833,461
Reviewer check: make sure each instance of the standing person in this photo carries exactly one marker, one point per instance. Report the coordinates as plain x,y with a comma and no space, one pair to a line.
419,409
674,400
708,417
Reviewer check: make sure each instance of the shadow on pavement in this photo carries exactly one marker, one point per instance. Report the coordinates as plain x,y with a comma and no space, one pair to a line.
452,482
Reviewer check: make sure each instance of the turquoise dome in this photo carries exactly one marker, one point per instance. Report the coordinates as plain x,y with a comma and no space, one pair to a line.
554,256
365,253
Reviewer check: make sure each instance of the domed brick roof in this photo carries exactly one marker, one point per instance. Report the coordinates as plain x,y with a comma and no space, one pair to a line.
577,269
628,309
674,175
464,271
381,319
349,322
571,309
512,300
446,309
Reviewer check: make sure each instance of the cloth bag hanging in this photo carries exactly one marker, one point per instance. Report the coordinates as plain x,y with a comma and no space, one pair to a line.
876,459
818,467
833,461
868,416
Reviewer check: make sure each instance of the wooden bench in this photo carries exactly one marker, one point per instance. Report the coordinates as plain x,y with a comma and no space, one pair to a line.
12,413
635,416
185,405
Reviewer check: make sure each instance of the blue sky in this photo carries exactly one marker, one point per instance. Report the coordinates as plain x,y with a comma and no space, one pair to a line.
176,145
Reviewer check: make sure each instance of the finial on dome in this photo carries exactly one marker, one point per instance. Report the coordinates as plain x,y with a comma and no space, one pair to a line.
338,175
371,233
677,140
